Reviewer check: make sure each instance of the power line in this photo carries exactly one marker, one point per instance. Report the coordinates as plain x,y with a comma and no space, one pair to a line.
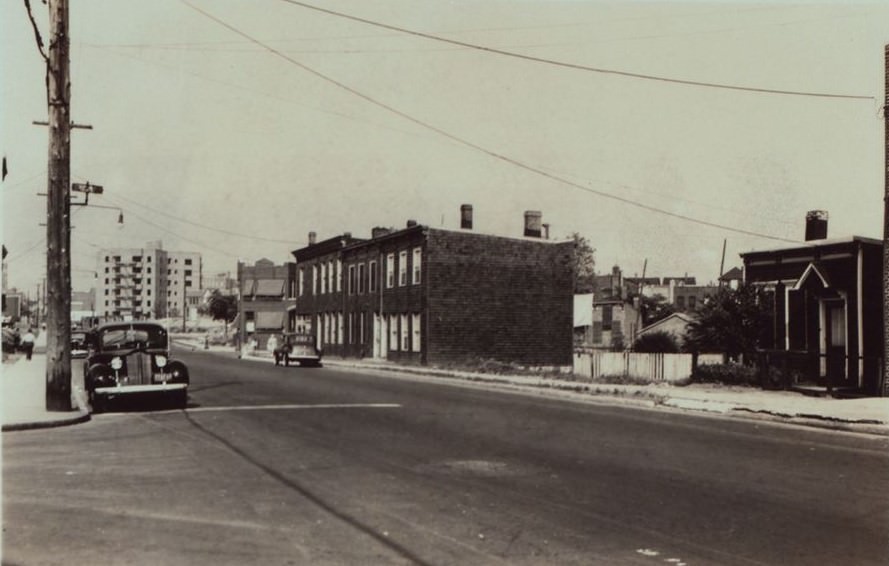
576,66
204,226
477,147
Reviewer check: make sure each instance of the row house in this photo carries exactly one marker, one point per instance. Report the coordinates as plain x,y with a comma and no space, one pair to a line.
436,296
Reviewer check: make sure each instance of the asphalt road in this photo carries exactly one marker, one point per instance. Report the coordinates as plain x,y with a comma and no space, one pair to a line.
273,465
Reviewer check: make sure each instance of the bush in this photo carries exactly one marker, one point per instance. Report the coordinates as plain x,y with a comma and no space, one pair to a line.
726,374
656,342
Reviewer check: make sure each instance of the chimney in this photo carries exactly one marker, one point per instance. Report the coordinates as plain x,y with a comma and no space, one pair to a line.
816,225
312,237
466,216
411,223
545,231
378,232
532,223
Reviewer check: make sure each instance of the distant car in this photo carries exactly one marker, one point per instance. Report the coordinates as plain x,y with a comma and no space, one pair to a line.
299,348
79,347
133,358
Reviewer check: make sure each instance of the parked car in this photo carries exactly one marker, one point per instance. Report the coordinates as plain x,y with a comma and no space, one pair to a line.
132,358
79,347
299,348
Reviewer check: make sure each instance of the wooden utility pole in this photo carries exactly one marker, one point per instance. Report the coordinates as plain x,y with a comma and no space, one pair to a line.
58,235
884,389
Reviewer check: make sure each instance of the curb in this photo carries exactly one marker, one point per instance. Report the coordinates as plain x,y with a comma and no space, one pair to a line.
34,425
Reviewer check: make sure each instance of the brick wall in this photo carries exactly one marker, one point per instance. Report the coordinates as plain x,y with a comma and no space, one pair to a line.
498,298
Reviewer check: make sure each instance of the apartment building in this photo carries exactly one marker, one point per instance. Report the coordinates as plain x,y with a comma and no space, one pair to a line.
147,282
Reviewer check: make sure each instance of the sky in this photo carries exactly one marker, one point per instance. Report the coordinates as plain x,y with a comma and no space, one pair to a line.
235,127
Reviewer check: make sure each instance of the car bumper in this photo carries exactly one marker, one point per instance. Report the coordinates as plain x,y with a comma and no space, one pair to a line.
131,389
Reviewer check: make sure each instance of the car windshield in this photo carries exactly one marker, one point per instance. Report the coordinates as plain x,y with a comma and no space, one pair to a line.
133,336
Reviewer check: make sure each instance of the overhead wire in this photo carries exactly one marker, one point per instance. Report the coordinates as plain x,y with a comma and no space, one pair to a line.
205,226
576,66
477,147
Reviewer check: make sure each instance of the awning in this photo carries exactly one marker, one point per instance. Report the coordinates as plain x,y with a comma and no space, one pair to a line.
247,290
270,320
269,288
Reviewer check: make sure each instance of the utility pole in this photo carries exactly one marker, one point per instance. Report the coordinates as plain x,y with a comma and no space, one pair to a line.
58,238
884,389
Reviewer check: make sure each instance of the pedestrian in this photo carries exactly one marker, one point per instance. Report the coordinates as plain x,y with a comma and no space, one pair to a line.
28,343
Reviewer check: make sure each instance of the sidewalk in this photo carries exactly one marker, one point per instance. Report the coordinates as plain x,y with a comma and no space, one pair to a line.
869,415
23,393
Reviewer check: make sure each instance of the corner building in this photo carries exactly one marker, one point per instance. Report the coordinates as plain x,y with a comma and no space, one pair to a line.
434,296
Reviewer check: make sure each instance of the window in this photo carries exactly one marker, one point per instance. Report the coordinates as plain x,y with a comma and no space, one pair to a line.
339,328
415,327
361,329
402,268
137,258
362,278
372,284
390,271
314,279
607,316
188,262
339,276
418,263
302,281
680,302
351,287
692,302
106,291
188,283
323,278
393,332
188,273
149,270
106,270
405,337
330,277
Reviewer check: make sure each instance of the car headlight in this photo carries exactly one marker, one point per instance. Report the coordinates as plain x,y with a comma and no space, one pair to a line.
116,363
161,361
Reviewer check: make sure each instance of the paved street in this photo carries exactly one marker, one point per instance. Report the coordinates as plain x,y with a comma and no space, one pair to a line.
273,465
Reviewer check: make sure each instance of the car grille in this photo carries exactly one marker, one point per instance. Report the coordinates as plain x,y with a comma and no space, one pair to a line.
138,369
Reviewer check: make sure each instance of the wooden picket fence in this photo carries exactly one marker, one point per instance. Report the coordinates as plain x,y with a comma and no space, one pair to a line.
652,367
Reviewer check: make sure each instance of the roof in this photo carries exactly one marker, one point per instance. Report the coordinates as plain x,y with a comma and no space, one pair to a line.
684,317
130,323
817,244
733,273
324,247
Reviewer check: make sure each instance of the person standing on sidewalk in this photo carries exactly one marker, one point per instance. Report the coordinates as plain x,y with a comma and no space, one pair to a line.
28,343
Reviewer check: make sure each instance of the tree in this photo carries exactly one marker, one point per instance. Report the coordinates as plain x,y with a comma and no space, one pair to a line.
734,322
222,307
655,308
656,342
584,264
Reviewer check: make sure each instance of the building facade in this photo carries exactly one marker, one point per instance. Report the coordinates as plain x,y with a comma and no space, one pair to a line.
827,309
436,296
148,282
267,302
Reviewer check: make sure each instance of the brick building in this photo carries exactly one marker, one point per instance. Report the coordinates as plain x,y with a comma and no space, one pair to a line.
268,299
433,296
